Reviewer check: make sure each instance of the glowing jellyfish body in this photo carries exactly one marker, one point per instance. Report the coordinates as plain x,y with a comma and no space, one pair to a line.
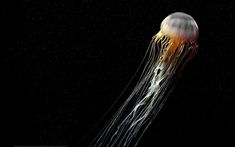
169,50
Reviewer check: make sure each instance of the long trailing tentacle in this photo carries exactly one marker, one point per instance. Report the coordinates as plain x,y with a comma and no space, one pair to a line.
138,111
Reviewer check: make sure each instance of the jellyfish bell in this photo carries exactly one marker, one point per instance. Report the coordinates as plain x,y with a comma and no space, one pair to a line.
180,25
176,41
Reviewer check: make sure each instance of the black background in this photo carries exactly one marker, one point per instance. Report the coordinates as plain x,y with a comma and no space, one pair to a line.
70,60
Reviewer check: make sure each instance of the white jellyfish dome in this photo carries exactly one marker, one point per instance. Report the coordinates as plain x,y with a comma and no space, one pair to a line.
180,25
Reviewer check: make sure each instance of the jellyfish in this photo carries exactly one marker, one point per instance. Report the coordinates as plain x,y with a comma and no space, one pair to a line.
169,50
